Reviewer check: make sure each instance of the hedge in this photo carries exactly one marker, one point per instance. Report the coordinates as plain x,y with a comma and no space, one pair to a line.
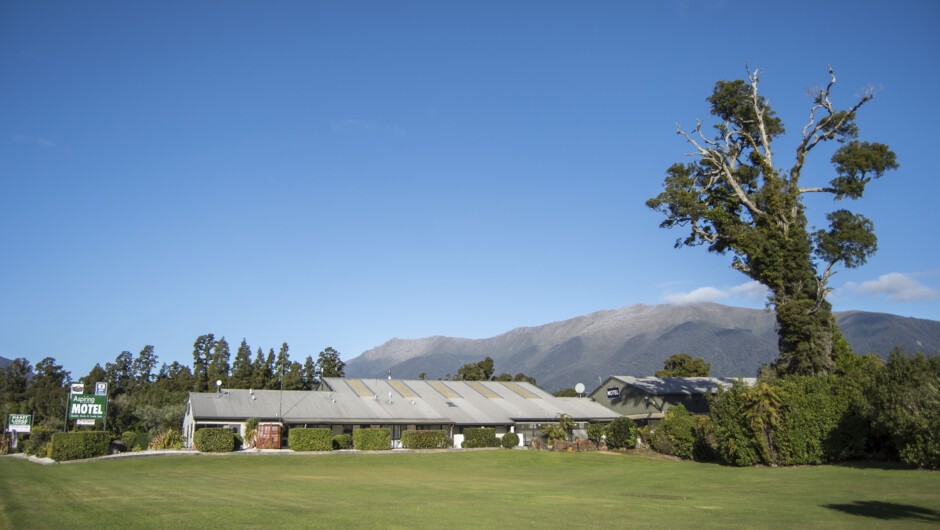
372,439
214,440
510,440
319,439
79,444
425,440
480,437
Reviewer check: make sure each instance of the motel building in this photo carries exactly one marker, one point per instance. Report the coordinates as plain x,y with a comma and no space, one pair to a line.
344,405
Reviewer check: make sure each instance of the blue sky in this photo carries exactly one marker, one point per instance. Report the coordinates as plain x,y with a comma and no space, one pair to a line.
341,173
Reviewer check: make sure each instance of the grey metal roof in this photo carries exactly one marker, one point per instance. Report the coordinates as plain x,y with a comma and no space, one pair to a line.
397,401
680,386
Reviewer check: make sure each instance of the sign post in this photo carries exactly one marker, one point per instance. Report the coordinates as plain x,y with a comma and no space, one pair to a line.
17,423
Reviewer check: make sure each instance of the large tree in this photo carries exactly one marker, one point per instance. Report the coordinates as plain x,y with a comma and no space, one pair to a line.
733,198
329,364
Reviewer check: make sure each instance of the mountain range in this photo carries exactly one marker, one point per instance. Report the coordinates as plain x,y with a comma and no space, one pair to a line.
634,340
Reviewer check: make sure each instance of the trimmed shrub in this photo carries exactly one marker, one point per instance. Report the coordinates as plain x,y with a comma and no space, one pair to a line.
130,439
342,441
474,437
372,439
621,434
310,439
596,432
39,439
167,440
676,435
214,440
5,443
510,440
79,444
239,442
425,440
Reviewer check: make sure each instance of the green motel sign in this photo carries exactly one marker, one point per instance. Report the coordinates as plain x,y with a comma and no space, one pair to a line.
87,407
19,422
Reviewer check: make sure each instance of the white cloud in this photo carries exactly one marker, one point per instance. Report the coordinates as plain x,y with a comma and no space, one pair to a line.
896,286
750,291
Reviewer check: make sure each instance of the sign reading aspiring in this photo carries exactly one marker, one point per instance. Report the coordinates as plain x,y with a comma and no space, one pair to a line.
19,422
87,407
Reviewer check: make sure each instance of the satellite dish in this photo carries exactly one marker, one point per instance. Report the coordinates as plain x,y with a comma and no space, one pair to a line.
579,388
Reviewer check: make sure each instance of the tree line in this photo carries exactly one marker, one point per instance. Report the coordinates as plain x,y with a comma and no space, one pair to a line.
145,398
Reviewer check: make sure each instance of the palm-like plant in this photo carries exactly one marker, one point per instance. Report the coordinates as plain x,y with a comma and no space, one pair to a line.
761,408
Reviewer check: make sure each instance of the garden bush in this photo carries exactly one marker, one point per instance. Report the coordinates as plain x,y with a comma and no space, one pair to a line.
596,432
169,439
372,439
342,441
737,444
130,439
621,434
474,437
425,440
676,434
39,439
79,444
510,440
310,439
239,442
214,440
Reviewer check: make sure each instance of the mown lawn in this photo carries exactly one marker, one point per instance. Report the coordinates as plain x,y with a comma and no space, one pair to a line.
488,489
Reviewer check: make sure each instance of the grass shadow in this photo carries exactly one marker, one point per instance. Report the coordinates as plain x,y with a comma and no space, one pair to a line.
887,511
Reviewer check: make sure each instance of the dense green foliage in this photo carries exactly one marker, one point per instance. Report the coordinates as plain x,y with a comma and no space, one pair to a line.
484,371
170,439
733,199
509,440
621,434
38,442
683,365
560,429
864,409
425,440
596,432
676,434
214,440
342,441
372,439
475,437
905,408
318,439
79,444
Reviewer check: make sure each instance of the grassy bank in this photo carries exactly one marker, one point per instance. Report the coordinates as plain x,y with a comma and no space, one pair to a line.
489,489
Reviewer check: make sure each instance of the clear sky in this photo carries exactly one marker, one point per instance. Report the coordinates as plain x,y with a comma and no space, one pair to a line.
332,173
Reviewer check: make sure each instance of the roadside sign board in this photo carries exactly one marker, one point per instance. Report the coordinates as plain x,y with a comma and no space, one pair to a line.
84,422
19,422
87,407
101,389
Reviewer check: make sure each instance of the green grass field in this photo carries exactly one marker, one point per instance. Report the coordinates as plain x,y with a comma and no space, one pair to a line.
489,489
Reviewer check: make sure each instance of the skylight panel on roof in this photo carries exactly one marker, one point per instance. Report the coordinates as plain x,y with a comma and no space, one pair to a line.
403,389
479,387
518,389
360,388
445,390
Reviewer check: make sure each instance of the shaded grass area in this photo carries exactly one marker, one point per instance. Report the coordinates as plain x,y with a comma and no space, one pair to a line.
491,488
